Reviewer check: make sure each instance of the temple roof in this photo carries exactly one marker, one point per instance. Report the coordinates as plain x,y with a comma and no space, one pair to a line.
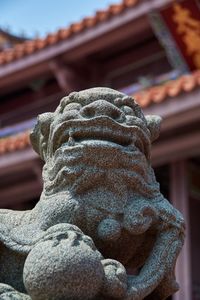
32,46
17,140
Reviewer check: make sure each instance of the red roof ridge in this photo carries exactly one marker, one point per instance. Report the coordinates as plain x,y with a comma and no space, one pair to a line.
32,46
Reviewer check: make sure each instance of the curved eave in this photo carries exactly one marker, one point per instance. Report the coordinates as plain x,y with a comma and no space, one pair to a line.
82,43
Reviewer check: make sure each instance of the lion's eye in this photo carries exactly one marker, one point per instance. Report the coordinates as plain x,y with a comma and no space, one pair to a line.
127,110
73,106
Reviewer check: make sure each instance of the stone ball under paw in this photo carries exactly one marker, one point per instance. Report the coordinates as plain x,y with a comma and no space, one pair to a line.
63,268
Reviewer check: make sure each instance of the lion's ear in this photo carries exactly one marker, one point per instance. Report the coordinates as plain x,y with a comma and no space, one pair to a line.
40,134
153,124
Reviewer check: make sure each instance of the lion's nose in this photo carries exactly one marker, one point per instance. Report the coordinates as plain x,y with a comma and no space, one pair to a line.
101,107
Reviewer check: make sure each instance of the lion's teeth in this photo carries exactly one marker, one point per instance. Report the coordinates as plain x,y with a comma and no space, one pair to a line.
71,141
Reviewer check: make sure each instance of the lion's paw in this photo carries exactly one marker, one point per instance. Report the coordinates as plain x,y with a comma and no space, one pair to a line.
7,292
115,282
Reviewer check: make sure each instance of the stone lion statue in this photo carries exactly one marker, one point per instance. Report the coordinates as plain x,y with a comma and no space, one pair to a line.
101,229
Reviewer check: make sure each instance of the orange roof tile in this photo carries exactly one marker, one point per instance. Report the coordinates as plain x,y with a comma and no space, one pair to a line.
29,47
157,94
15,142
144,98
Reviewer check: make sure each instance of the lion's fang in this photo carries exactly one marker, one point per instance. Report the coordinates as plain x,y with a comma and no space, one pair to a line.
71,141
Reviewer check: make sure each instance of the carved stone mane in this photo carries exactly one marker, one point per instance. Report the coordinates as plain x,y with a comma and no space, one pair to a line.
101,217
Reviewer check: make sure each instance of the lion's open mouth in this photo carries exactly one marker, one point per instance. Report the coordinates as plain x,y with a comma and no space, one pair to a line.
105,135
102,129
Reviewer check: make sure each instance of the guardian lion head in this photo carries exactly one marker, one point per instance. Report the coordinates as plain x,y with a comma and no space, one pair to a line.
96,137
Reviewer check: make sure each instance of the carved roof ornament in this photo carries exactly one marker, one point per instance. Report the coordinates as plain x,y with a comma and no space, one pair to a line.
101,213
188,27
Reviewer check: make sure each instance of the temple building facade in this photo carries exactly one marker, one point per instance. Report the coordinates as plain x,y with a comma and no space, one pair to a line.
147,49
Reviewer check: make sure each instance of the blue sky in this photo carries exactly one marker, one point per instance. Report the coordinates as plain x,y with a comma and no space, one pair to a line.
42,16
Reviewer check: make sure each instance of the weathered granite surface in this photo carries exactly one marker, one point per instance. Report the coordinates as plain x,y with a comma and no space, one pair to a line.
101,212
